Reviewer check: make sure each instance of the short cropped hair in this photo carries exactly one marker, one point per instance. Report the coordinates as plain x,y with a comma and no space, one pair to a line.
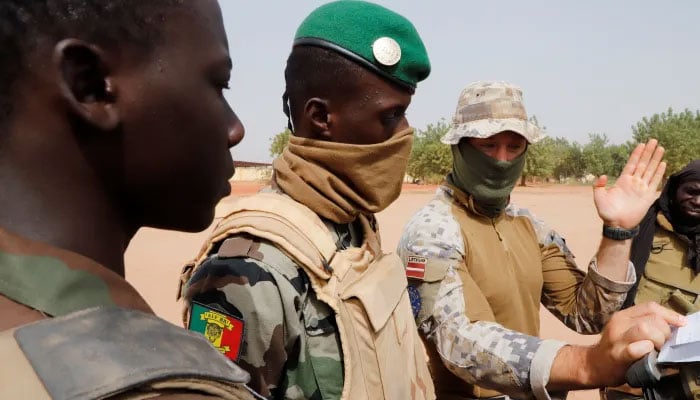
317,72
24,22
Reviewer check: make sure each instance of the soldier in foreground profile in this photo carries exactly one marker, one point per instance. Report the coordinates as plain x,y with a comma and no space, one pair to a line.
111,119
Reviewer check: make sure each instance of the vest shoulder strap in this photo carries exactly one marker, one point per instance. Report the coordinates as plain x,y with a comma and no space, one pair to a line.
104,352
291,226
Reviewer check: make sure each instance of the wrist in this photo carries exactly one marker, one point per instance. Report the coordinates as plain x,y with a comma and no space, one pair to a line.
590,369
617,224
574,369
619,233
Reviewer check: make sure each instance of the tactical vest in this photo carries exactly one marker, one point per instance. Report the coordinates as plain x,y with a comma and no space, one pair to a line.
667,279
502,282
105,353
383,356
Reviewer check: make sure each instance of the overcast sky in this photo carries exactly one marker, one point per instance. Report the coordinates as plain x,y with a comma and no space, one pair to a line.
594,66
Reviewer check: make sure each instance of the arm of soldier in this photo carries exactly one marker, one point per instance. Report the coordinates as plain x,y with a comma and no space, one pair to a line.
624,204
584,302
264,299
486,353
630,335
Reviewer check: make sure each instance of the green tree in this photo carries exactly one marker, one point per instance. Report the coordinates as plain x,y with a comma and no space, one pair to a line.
552,157
618,154
539,161
571,163
279,142
679,133
430,159
597,155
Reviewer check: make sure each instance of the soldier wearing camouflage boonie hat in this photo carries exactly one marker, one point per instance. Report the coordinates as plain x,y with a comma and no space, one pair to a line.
479,267
487,108
350,76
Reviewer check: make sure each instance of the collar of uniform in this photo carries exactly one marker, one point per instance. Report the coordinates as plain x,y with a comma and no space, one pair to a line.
466,200
58,282
353,234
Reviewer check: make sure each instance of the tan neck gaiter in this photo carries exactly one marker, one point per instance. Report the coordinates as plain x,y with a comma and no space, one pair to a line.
338,181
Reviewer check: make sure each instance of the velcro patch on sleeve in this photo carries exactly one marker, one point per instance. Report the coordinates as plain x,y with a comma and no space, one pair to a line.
415,267
224,332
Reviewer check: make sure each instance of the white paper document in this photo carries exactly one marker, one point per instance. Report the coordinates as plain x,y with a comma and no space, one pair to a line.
684,344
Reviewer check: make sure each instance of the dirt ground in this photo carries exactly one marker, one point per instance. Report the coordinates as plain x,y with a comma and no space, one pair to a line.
155,257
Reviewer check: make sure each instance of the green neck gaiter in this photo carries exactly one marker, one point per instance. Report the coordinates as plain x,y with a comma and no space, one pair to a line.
488,180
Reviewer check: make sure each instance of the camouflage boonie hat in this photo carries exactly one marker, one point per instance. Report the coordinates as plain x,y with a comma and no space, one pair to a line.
487,108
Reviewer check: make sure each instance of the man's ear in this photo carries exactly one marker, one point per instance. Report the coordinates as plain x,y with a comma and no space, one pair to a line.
85,83
317,113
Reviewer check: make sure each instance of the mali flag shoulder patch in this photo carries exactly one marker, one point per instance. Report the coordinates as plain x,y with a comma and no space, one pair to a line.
224,331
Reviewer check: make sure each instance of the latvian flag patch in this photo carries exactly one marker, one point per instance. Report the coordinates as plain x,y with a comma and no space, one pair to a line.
415,267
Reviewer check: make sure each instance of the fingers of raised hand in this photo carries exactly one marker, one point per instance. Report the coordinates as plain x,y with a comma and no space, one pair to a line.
653,165
646,158
658,176
633,159
600,182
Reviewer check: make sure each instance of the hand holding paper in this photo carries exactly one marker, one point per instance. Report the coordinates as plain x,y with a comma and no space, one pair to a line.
684,344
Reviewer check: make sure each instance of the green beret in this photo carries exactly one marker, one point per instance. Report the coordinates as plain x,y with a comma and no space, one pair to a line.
370,35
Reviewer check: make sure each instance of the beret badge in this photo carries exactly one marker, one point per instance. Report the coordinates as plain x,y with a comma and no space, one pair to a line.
386,51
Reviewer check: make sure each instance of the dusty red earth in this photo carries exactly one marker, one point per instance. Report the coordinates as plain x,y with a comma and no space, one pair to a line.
155,257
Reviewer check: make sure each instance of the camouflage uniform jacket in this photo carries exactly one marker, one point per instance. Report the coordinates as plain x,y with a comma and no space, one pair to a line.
60,282
57,306
487,350
291,344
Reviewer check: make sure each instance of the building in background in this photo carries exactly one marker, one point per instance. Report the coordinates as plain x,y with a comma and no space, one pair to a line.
252,171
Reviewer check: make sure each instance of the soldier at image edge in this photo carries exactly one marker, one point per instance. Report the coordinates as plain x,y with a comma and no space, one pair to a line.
112,118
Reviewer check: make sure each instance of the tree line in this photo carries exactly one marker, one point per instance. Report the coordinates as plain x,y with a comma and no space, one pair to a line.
556,159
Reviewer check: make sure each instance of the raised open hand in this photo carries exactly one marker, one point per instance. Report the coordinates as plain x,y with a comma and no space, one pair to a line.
627,201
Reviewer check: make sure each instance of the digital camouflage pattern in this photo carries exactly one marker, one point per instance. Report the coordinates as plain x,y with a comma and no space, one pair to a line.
487,108
291,345
485,352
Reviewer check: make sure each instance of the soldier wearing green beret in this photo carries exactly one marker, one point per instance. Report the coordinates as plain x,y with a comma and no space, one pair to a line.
315,309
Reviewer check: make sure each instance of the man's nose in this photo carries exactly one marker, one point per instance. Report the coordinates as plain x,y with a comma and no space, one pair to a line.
236,132
501,153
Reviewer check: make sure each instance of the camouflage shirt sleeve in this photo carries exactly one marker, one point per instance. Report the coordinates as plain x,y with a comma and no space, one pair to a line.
483,353
486,353
265,291
584,302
